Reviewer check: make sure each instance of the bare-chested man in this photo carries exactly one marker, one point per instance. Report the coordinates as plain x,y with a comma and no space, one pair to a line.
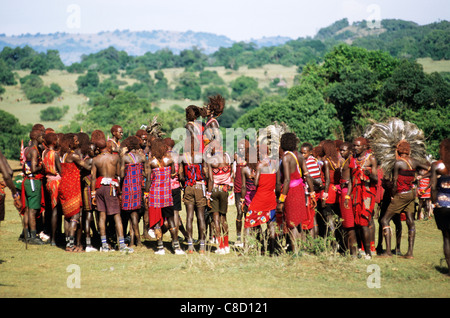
31,185
105,170
403,199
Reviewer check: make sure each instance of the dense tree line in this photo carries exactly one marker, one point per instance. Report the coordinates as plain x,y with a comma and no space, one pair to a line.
351,88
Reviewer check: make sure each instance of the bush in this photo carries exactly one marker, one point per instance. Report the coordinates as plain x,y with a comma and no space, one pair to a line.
42,95
53,113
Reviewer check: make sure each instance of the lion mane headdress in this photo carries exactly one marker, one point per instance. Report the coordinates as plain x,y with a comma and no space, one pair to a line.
270,136
384,139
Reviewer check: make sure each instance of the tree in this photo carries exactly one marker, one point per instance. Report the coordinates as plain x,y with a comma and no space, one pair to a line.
188,86
39,65
53,113
88,83
241,84
12,134
6,76
304,110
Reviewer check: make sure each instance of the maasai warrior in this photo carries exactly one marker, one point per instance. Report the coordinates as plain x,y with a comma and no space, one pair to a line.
330,199
424,195
104,172
132,175
32,191
117,134
247,180
176,187
345,203
440,193
316,173
193,176
69,190
262,208
160,201
7,173
365,180
400,150
145,147
239,164
292,200
221,177
404,196
52,166
87,153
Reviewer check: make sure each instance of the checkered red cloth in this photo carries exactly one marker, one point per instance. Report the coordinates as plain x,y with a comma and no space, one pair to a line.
132,187
160,194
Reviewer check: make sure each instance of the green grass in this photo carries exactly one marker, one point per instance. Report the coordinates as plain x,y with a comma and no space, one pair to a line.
430,65
15,102
41,271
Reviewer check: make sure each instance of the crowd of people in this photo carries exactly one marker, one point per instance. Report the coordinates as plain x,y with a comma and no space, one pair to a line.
93,191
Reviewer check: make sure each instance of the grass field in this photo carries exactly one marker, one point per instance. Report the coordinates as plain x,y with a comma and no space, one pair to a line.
48,272
15,102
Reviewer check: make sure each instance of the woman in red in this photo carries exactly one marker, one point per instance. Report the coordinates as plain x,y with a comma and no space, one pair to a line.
70,188
263,205
292,201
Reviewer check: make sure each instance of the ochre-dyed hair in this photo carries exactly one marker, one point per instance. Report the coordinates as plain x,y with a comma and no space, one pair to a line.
347,144
132,143
444,149
115,128
159,148
318,152
98,138
48,130
67,142
38,127
192,112
330,151
35,133
84,141
404,147
338,143
288,141
169,142
362,140
50,138
216,104
141,132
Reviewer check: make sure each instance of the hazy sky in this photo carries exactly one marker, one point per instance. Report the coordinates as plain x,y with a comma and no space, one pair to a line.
236,19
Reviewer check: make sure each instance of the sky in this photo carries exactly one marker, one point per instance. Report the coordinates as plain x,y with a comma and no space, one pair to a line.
239,20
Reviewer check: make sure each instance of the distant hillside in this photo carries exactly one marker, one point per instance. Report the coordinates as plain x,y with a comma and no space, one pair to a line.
72,46
398,37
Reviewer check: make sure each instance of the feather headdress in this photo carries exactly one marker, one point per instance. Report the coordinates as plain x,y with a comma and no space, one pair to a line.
154,128
385,137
